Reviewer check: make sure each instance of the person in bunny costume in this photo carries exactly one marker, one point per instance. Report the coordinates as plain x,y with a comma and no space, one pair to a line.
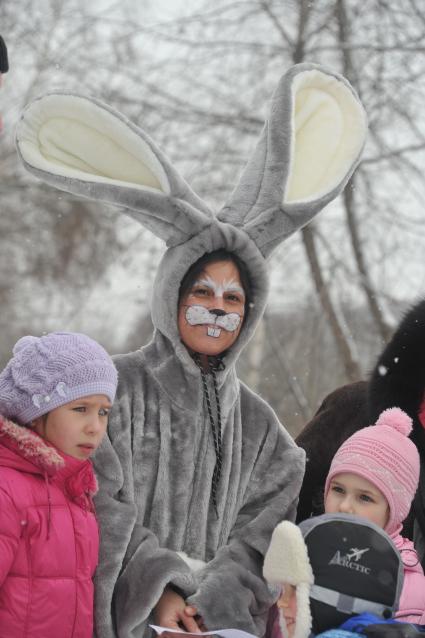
197,470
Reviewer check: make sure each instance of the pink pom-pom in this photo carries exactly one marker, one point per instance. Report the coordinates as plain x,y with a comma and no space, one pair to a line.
397,419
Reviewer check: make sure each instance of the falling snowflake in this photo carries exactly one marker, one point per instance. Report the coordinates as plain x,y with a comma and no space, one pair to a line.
382,371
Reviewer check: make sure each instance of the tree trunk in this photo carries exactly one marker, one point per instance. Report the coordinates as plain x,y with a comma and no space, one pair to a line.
348,195
349,361
365,281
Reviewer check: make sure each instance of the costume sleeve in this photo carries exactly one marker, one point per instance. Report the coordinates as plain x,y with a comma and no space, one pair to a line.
129,552
10,531
232,591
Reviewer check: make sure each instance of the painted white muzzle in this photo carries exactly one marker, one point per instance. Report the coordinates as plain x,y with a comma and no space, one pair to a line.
199,315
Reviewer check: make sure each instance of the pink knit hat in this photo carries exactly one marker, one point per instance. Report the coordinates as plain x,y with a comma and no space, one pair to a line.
384,455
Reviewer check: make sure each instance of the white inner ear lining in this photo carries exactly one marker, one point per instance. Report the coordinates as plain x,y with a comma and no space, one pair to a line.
83,140
328,129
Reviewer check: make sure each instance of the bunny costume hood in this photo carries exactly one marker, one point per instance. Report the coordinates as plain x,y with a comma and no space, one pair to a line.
155,470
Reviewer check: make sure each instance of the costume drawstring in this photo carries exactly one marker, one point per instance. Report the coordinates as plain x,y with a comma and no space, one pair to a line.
214,365
49,504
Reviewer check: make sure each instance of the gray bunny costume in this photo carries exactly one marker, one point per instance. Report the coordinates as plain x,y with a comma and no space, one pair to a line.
155,470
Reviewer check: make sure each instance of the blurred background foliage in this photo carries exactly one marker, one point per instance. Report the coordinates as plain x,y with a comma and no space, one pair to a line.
198,79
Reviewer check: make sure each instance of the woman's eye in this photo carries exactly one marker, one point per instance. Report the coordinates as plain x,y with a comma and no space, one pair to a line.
366,498
200,292
233,298
79,408
104,412
338,489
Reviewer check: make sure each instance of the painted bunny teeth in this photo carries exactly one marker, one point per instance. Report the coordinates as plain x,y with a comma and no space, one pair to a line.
213,332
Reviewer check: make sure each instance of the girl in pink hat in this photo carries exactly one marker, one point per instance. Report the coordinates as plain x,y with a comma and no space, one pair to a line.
375,474
55,397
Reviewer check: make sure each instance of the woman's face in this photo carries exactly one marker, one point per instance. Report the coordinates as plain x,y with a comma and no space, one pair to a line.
211,313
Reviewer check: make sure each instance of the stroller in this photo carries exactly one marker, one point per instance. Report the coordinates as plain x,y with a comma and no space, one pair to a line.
347,576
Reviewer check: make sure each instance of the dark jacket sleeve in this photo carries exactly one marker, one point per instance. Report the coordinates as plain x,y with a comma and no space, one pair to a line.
341,413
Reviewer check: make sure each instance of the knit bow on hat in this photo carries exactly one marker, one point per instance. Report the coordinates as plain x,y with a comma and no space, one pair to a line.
49,371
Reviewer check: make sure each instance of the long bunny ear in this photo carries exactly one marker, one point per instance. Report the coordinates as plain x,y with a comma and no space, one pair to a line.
82,146
308,150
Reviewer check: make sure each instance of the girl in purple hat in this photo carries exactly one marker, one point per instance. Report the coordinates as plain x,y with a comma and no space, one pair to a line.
55,397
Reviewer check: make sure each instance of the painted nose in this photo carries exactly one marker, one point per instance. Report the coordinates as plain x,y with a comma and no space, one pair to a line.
218,312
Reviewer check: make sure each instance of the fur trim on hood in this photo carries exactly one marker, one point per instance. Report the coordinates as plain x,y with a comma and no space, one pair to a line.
30,446
26,451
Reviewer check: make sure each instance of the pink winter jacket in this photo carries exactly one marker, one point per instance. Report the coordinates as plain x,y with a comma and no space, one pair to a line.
48,539
412,600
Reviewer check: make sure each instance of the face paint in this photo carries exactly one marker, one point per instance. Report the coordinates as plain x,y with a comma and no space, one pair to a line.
199,315
211,313
219,289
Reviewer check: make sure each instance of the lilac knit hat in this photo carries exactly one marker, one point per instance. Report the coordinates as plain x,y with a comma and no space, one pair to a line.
47,372
384,455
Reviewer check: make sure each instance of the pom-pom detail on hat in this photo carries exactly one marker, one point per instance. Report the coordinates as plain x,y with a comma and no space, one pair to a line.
397,419
384,455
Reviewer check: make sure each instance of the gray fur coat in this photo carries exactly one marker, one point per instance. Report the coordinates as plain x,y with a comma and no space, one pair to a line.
155,475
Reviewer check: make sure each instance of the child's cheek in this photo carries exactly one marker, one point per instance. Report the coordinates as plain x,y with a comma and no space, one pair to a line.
293,606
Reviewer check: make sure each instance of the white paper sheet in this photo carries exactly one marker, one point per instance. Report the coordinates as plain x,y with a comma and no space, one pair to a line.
223,633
